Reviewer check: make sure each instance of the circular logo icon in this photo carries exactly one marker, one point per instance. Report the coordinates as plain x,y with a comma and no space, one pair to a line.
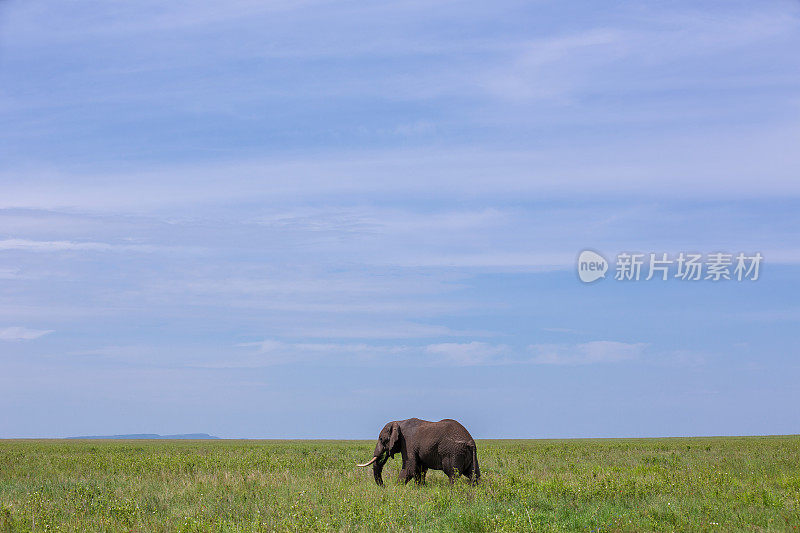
591,266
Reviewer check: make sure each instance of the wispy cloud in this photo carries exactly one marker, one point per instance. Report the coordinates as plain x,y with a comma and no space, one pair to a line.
379,329
547,68
129,353
19,333
272,352
563,330
61,246
675,166
10,273
586,353
474,353
468,353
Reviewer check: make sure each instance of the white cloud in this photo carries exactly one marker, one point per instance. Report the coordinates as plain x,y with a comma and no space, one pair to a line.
18,333
380,329
481,353
671,166
563,330
272,352
547,68
560,67
539,261
310,284
384,220
60,246
118,352
585,353
469,353
10,273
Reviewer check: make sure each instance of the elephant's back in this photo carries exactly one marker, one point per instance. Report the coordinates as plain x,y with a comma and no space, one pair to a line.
446,437
457,431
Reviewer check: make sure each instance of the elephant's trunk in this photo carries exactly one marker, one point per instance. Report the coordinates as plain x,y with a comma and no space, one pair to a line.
377,468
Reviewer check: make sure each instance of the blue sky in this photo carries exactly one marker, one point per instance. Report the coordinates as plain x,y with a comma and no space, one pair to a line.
304,219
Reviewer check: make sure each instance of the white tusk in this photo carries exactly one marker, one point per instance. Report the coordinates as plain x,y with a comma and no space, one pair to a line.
369,463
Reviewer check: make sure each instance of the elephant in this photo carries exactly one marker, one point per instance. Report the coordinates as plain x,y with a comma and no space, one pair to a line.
444,445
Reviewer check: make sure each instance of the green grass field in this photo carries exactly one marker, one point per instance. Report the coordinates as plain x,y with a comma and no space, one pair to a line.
712,484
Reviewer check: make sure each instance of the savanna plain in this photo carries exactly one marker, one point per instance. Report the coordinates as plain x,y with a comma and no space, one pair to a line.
677,484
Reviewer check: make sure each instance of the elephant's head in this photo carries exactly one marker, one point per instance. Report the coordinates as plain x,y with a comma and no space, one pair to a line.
388,444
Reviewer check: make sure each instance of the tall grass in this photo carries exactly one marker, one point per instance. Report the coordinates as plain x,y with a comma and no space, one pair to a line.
698,484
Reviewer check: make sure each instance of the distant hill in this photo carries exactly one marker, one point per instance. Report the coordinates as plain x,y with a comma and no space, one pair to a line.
148,436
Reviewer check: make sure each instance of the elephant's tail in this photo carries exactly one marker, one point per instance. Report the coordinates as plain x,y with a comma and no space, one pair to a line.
476,470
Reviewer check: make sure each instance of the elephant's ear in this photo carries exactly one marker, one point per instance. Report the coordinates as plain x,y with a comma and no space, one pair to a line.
395,436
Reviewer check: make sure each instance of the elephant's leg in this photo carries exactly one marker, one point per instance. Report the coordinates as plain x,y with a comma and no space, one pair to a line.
474,474
447,467
406,474
419,474
411,471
